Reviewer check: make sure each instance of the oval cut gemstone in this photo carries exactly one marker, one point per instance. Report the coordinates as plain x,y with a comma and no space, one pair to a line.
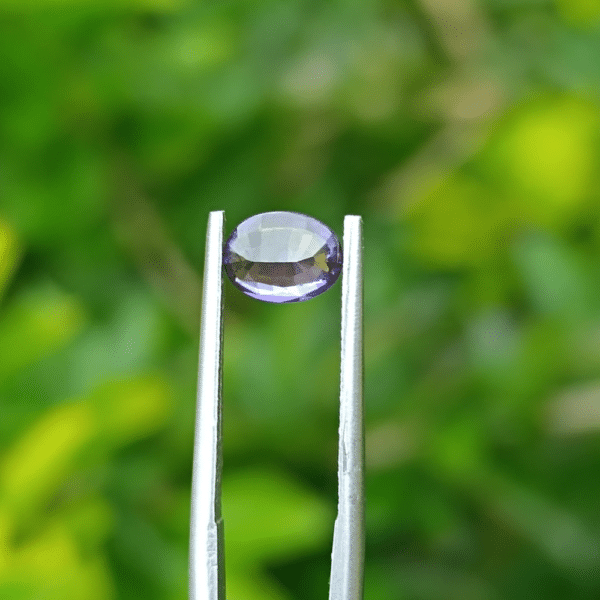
282,257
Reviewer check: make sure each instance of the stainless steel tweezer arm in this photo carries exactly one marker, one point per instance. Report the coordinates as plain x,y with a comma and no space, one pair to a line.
347,559
207,560
207,565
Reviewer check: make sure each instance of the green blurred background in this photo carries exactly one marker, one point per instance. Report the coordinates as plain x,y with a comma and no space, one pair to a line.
466,135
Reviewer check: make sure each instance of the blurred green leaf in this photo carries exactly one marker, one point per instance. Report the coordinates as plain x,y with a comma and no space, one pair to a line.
271,516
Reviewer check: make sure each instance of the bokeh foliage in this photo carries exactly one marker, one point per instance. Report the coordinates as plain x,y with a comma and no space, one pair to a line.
466,134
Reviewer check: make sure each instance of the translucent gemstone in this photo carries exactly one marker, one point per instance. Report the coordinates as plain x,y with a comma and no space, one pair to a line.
282,257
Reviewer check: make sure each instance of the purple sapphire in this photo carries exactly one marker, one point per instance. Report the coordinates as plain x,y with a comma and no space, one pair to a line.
282,257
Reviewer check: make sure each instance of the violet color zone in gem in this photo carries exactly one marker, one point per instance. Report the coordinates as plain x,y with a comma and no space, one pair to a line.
282,257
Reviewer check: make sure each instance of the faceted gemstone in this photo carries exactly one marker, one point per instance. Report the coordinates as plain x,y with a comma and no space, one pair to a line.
282,257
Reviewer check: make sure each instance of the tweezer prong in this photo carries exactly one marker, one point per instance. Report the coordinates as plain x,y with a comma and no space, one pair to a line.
347,560
207,564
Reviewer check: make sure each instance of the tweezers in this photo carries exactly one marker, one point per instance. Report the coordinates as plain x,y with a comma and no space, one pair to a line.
206,563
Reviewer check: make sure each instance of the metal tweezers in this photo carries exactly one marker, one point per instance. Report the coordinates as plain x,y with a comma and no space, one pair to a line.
207,564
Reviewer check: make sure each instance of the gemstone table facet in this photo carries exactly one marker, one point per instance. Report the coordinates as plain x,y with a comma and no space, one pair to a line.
282,257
